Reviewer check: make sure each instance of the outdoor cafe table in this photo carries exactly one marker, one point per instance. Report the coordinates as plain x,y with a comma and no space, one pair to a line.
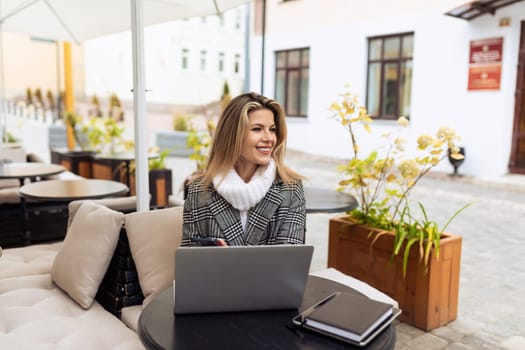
22,171
69,190
321,200
160,328
66,191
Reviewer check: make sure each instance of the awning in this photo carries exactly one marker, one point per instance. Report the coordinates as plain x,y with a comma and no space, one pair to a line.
478,8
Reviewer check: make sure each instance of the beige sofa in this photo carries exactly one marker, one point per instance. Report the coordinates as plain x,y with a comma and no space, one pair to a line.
47,292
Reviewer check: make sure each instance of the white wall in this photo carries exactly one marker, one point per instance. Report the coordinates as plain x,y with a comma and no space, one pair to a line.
33,64
108,61
439,88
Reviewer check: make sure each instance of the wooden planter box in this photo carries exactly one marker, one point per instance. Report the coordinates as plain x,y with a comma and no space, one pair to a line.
78,162
110,169
160,186
428,300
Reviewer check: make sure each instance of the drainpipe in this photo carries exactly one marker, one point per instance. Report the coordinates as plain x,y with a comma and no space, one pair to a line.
247,70
263,44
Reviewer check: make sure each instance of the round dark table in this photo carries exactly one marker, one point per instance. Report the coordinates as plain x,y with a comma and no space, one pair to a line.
23,171
69,190
160,328
321,200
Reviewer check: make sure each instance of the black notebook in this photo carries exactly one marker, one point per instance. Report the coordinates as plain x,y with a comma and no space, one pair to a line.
347,316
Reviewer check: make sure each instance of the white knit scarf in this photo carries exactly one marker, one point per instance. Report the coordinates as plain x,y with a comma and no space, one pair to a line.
243,196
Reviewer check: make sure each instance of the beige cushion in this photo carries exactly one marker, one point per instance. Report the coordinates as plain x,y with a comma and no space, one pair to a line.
88,247
36,315
35,259
9,195
9,183
153,237
118,203
130,316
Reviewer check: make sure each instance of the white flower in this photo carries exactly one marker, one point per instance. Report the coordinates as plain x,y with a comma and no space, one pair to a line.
424,141
403,121
446,133
408,169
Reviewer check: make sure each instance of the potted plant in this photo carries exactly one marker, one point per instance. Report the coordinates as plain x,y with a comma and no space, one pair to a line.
225,97
9,138
160,180
75,159
115,108
95,110
199,142
386,242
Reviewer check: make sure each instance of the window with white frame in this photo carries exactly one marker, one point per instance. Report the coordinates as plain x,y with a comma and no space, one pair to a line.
237,63
238,18
221,62
389,74
184,60
292,72
203,60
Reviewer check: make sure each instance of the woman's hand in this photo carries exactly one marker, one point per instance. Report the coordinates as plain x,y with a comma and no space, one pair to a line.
221,242
207,241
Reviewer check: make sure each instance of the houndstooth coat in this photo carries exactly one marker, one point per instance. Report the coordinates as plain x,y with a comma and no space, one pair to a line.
279,218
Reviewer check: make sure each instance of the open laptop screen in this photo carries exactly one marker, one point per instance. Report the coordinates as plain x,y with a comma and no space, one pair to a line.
240,278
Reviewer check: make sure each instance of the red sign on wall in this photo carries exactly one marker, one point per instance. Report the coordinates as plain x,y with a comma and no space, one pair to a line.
485,64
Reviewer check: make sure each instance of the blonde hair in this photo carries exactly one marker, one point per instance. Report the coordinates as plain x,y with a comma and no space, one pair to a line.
230,132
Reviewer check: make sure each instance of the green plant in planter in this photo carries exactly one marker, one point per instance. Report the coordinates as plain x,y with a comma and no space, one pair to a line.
113,133
181,123
200,142
8,137
113,128
97,111
225,97
153,164
160,162
383,179
100,132
115,108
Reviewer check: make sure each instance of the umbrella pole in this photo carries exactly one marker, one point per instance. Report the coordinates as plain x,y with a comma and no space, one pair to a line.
3,118
139,105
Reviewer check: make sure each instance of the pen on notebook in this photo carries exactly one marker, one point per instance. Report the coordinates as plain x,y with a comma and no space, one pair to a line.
308,311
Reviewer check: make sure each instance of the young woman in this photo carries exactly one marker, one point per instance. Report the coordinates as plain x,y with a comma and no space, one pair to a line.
246,196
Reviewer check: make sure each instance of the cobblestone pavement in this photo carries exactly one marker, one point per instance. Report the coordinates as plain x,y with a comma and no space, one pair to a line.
492,282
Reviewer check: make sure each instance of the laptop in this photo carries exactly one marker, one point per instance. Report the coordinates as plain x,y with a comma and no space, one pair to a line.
240,278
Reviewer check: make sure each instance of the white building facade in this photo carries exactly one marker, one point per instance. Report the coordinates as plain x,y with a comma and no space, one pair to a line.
187,61
402,58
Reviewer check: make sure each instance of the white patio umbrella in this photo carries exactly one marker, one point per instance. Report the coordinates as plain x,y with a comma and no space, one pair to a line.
79,20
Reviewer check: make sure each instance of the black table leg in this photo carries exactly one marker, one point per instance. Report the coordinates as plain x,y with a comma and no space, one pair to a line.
26,234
